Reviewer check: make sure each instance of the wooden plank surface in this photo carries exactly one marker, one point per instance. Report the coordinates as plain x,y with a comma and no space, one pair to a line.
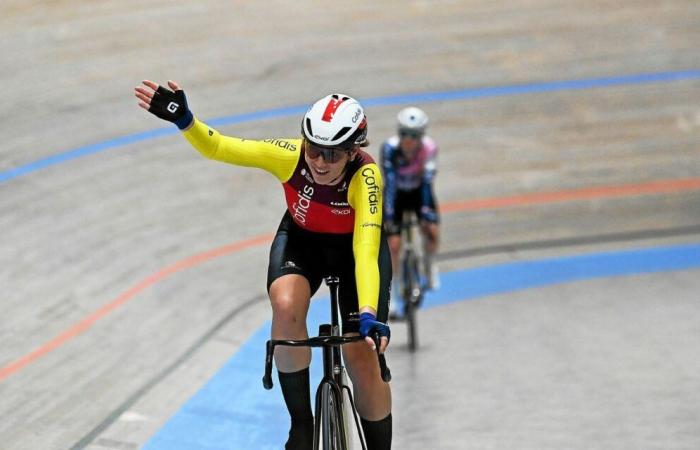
78,235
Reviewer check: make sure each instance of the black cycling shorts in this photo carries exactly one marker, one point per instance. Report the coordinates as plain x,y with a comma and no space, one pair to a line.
412,201
319,255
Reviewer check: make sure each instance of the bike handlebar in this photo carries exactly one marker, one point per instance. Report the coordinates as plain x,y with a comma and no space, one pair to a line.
318,341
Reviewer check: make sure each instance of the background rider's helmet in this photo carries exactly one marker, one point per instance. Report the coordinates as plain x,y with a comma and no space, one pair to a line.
412,120
336,120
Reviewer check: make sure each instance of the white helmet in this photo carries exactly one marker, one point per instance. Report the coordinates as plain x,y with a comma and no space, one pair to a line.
412,119
336,120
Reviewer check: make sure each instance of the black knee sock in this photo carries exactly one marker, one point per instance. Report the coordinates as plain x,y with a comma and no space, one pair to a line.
297,396
377,433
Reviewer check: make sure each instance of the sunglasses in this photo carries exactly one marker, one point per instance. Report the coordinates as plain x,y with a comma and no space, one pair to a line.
410,134
330,155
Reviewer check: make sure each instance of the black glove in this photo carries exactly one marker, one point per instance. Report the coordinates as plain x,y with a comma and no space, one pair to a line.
171,106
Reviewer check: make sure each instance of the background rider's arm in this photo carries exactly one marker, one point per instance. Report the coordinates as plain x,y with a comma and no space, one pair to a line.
386,160
365,196
429,172
277,156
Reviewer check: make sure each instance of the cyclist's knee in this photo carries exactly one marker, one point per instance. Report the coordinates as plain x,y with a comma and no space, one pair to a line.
286,309
394,241
362,365
431,231
289,310
289,297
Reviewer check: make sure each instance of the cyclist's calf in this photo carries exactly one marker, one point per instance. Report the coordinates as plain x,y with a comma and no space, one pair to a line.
372,394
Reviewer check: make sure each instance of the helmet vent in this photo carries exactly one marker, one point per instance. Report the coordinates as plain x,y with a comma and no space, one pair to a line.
340,133
308,127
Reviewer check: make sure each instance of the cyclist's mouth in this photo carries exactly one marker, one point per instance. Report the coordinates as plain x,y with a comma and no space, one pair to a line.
320,172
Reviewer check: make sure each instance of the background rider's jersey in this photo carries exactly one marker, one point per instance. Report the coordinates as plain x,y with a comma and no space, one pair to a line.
402,174
354,205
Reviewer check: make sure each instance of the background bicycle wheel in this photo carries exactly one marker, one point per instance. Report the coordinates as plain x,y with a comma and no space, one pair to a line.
132,269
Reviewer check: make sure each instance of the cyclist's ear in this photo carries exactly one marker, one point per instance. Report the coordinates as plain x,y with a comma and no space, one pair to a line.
353,153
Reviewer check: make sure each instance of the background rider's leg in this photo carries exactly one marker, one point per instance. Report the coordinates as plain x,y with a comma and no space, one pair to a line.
431,241
394,242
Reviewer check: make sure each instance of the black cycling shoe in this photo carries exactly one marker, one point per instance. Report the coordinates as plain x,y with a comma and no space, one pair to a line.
301,437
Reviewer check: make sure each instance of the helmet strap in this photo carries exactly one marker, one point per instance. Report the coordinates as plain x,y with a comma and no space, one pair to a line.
335,180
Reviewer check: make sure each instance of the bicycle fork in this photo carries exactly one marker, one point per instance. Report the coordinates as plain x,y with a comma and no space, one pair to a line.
332,385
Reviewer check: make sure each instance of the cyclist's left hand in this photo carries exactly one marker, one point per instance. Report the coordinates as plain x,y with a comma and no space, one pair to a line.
370,325
167,104
428,214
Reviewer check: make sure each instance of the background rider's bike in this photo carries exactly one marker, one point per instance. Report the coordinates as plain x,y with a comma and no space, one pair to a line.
330,420
411,287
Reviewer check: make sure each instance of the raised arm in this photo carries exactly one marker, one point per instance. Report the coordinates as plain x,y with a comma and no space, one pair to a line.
277,156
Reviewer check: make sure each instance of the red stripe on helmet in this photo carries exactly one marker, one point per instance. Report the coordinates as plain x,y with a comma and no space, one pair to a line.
331,108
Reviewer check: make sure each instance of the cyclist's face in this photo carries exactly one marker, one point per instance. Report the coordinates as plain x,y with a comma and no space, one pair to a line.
410,143
326,164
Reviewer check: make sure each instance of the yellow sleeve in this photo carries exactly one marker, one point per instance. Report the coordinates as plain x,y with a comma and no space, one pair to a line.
365,196
277,156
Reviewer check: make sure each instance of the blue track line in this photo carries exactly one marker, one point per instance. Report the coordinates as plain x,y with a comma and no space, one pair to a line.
426,97
233,411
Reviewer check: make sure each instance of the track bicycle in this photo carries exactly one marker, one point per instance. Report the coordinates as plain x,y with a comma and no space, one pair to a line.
411,288
330,418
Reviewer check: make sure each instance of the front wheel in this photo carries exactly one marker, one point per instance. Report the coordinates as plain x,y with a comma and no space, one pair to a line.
333,434
412,294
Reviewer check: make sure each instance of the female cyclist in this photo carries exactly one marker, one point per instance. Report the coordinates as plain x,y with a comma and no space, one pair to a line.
408,162
332,226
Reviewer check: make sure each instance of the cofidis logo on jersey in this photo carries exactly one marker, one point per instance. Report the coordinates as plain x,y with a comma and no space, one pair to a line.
369,178
301,206
281,143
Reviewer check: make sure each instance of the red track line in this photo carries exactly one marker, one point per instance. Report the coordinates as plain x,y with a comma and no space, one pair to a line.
654,187
125,297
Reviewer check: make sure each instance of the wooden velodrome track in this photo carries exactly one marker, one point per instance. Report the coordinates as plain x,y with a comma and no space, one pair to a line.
132,269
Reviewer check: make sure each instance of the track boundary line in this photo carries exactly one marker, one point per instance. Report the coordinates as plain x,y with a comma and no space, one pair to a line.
399,99
192,350
125,297
160,376
660,186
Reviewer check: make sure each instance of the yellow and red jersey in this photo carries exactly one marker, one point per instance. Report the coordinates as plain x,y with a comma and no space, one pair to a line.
353,205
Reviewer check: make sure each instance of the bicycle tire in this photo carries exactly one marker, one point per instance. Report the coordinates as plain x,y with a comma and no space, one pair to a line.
332,424
411,286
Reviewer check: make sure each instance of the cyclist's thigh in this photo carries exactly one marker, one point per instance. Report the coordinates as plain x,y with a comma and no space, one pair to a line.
402,202
289,256
414,201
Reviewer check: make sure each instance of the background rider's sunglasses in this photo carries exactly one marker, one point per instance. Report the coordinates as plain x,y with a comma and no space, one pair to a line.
330,155
410,134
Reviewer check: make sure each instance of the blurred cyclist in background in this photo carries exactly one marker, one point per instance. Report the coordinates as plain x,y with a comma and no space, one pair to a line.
332,227
408,161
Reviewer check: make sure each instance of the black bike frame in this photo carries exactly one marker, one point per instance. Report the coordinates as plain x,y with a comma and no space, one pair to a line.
330,340
411,289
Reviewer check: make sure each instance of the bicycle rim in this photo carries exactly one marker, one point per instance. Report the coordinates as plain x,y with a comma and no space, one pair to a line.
412,286
411,322
332,426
